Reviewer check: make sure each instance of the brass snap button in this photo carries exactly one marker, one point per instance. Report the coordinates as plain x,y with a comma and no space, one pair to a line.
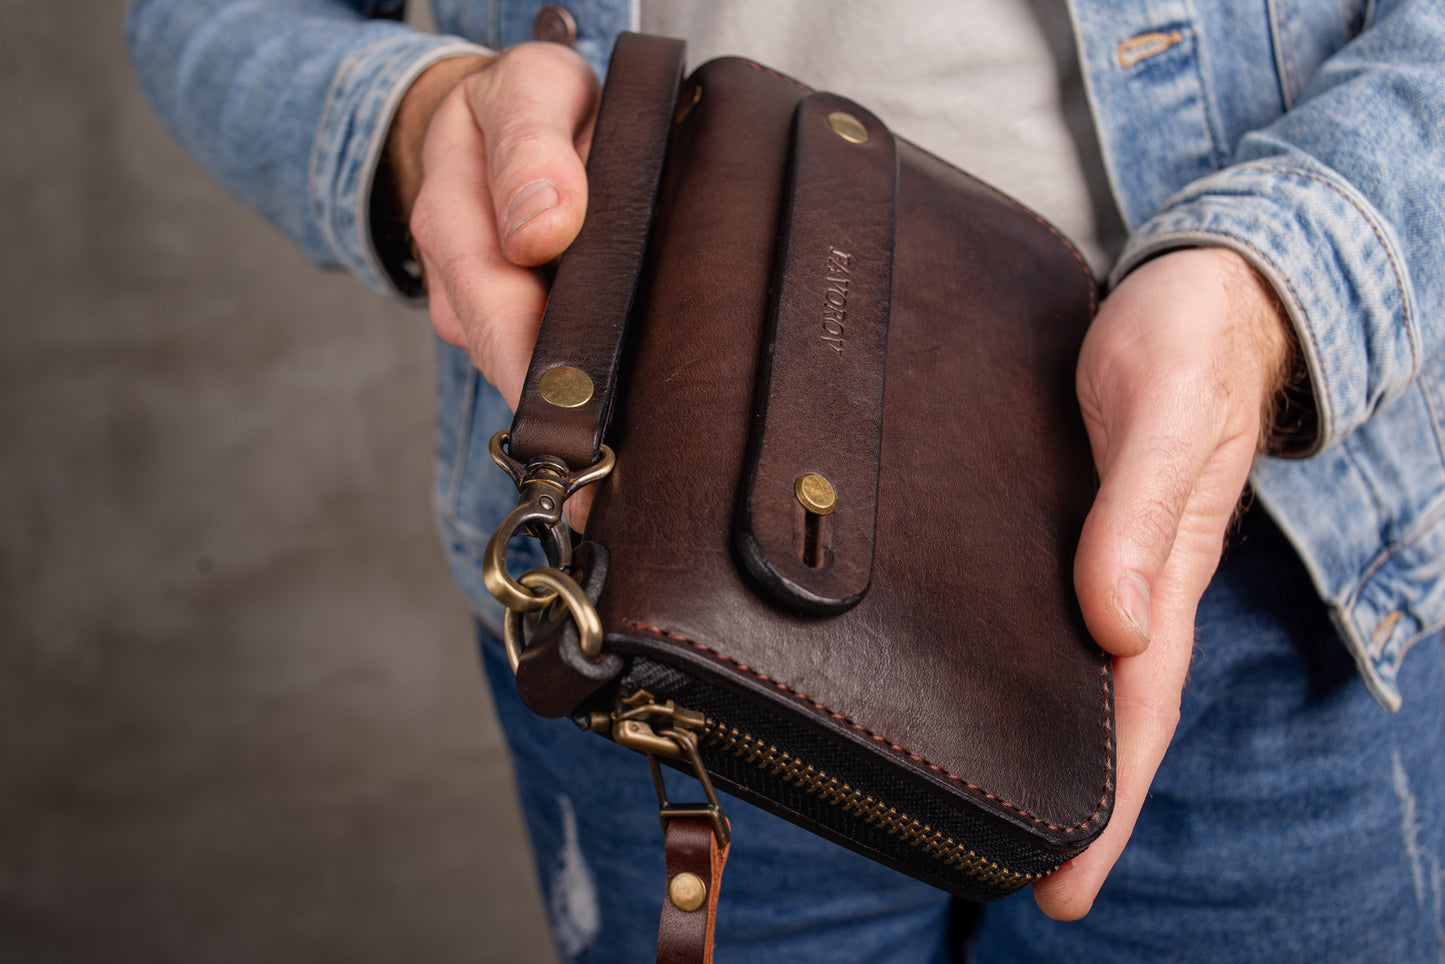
687,891
554,23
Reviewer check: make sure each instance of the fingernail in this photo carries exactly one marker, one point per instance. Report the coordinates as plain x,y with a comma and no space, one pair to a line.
1133,599
529,202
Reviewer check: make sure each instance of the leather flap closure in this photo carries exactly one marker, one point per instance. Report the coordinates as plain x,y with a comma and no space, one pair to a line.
808,513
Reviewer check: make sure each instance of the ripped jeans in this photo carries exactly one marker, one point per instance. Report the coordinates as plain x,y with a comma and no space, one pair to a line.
1293,820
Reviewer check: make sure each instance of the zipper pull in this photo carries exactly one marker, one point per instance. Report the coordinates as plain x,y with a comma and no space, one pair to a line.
631,724
665,729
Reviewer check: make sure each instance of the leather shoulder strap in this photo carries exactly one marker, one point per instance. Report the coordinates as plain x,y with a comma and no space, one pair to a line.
572,380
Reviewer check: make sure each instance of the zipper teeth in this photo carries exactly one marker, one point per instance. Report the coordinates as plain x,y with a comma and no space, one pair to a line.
835,792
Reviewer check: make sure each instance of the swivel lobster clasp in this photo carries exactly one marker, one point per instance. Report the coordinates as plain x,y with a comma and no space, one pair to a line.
538,513
544,488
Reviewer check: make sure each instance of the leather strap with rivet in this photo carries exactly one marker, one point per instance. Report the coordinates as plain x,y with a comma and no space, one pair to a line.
810,501
695,863
571,382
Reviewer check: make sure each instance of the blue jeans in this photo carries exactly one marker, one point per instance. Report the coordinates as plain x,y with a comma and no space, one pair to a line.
1293,820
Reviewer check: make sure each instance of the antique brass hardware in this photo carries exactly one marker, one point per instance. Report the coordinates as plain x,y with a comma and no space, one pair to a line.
816,494
848,127
687,891
565,387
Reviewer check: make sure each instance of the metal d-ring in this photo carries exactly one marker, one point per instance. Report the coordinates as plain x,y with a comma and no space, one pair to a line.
561,587
667,810
544,486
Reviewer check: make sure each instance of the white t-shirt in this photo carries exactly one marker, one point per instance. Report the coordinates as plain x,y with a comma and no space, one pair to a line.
990,85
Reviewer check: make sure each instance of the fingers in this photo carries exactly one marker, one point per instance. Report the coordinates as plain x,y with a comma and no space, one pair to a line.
478,299
1146,690
579,507
504,188
1148,686
501,321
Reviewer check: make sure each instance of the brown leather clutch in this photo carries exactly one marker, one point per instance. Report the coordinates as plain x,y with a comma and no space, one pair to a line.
824,383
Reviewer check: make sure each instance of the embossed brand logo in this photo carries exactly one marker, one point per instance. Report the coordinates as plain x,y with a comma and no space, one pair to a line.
835,299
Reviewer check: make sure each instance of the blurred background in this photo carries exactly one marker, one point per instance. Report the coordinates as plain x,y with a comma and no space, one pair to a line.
241,716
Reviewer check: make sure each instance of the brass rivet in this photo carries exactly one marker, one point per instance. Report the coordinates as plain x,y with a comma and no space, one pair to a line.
816,494
565,387
554,23
687,892
848,127
686,103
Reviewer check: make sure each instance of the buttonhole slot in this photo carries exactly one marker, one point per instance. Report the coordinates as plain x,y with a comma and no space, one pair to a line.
813,538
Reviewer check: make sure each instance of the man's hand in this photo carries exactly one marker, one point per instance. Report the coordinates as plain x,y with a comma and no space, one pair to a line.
1176,379
488,156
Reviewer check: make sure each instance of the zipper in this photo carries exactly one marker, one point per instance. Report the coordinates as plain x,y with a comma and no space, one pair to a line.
834,792
813,781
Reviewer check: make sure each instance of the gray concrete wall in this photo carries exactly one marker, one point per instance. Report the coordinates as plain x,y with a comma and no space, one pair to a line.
240,713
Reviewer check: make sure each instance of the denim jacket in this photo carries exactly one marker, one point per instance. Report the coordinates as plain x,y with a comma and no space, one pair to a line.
1308,135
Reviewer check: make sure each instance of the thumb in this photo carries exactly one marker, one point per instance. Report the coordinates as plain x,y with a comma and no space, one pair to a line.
1146,477
1172,380
536,109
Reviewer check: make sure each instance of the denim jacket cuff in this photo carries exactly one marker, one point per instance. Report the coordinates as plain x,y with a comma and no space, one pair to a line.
359,108
1333,264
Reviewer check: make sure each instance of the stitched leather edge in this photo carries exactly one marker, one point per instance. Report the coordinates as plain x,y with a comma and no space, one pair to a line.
993,798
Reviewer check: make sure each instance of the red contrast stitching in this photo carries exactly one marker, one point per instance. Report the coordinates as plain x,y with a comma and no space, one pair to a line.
1108,731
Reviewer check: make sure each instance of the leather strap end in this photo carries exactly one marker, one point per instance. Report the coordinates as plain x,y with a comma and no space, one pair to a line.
695,864
572,379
